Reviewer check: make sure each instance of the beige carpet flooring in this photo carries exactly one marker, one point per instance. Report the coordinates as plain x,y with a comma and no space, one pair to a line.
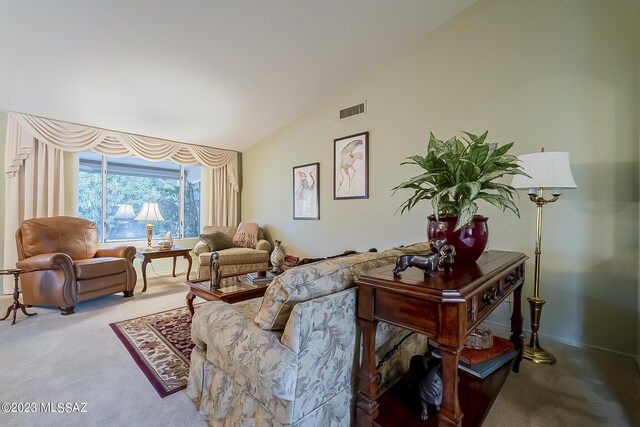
78,359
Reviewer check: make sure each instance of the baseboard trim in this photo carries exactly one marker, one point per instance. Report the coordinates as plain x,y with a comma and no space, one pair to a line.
545,337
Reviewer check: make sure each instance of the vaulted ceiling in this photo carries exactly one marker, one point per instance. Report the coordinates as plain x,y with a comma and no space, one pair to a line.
212,72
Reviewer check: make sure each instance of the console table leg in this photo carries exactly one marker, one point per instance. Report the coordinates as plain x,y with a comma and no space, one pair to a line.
368,377
450,413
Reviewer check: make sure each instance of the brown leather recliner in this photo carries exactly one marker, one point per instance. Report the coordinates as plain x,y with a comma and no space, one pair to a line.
71,267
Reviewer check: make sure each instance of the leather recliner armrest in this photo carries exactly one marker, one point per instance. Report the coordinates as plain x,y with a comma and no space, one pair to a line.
52,261
128,252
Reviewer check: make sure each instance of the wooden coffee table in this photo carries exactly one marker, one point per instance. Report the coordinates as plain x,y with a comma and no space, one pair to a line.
232,290
147,255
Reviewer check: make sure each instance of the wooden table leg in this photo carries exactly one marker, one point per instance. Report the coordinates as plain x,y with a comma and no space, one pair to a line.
16,302
144,273
368,377
174,266
450,413
188,258
190,297
9,311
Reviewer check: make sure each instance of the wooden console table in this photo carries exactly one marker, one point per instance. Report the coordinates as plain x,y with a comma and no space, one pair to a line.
446,308
147,255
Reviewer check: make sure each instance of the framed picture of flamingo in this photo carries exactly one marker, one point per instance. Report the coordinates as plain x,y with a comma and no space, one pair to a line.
306,191
351,167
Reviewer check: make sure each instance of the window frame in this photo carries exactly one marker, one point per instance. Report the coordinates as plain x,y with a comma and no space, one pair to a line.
181,201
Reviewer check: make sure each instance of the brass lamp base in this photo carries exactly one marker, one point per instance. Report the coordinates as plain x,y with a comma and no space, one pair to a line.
538,355
149,235
533,351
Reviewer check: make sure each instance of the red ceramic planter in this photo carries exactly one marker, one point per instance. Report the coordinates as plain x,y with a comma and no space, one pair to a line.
469,241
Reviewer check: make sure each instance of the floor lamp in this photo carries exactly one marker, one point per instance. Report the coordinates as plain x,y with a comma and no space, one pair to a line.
547,171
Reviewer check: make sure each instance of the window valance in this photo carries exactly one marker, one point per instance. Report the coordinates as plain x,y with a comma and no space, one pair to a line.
22,129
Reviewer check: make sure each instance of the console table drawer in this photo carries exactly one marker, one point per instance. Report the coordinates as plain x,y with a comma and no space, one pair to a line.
401,310
481,303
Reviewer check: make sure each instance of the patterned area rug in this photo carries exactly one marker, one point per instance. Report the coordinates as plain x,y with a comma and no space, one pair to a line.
161,345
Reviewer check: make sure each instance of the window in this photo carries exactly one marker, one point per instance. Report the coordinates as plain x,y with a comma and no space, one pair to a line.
112,190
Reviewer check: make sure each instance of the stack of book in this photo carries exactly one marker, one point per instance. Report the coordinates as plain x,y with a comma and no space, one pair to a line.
260,278
482,362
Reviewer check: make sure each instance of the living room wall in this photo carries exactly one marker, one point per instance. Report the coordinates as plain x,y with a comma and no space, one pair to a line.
563,75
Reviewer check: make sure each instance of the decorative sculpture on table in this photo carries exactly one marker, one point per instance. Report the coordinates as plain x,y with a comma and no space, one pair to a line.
277,257
429,264
447,254
426,377
440,259
214,267
166,243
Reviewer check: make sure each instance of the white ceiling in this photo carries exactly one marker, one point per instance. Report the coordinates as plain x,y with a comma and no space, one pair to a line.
219,73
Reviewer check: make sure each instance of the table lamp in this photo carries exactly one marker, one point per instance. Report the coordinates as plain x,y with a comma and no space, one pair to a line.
125,212
149,212
547,171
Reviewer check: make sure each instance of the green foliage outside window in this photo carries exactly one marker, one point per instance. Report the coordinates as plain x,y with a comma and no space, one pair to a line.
134,190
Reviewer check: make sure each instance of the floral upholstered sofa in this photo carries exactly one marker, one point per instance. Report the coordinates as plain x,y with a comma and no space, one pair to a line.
292,357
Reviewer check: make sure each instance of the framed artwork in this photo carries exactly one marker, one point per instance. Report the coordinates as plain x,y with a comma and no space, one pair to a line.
306,191
351,167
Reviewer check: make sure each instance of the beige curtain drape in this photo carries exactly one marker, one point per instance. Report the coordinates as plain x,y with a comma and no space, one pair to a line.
35,190
71,137
34,169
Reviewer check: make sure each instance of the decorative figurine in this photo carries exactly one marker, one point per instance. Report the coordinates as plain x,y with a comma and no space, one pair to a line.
436,245
166,243
440,259
447,253
426,376
277,257
429,264
214,267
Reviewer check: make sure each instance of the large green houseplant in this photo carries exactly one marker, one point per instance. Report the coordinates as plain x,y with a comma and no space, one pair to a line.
457,173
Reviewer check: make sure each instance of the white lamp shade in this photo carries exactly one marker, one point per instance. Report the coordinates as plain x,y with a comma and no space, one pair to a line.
125,212
149,212
548,170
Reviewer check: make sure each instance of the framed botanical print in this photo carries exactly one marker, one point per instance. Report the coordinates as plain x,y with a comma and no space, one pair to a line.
351,167
306,191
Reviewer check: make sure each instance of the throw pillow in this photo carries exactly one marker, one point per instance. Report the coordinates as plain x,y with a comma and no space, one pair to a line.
247,235
217,241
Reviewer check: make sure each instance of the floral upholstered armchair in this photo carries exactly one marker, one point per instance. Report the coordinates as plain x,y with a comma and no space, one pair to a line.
291,358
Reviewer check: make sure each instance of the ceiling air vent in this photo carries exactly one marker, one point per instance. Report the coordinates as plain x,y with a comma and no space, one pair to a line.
353,111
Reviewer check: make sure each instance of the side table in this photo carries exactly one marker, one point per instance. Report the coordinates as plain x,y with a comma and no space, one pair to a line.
147,255
16,272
